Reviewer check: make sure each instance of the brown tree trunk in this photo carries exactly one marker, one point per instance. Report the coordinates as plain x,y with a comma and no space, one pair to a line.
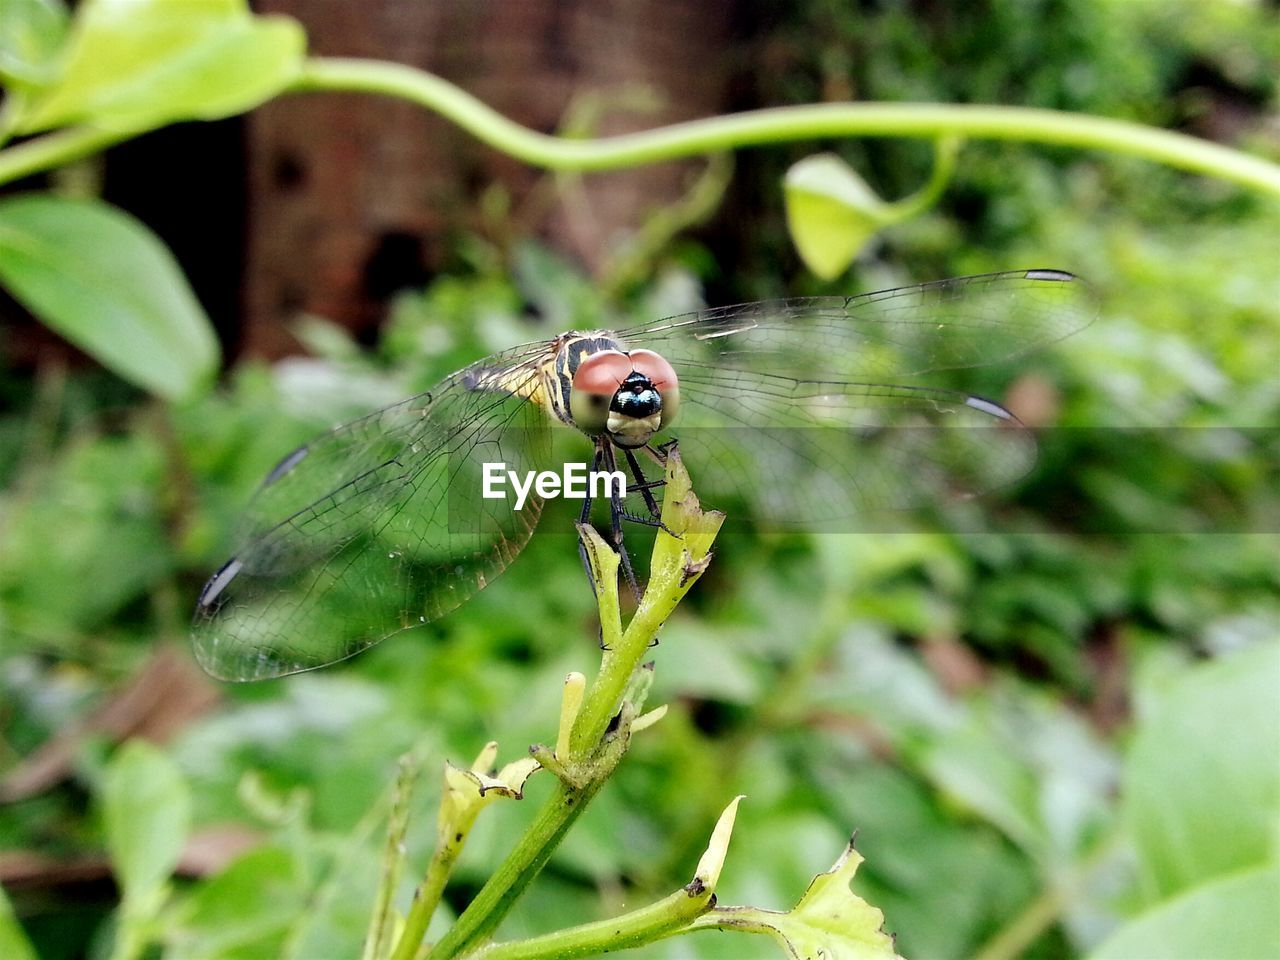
352,197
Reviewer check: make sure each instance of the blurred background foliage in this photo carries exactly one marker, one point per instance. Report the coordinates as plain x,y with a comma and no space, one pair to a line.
1037,735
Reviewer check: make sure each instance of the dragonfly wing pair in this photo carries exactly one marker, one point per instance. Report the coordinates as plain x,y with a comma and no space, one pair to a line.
815,410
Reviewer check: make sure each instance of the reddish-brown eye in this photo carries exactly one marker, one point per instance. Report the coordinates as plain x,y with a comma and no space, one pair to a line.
602,372
660,373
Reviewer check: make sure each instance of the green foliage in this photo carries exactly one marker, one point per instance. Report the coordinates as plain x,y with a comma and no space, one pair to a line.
101,501
833,214
1207,738
13,942
146,817
1200,735
1168,64
135,64
1234,916
246,911
34,31
98,277
103,281
957,698
146,811
828,921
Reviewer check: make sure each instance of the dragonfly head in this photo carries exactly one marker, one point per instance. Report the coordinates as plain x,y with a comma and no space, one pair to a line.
626,396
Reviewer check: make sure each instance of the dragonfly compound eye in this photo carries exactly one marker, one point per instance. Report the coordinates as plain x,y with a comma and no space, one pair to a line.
595,382
663,377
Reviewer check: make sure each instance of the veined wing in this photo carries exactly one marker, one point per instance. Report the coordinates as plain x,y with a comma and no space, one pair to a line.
824,409
889,336
376,526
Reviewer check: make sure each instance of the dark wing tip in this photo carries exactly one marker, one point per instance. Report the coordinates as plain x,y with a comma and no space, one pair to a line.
1059,276
208,601
290,461
990,407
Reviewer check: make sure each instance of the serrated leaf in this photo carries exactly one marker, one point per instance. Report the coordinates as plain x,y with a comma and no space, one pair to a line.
14,944
106,283
828,923
136,64
467,792
31,33
477,787
1236,916
831,212
146,814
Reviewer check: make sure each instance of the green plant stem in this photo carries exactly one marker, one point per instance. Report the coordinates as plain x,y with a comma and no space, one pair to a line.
379,934
715,134
522,864
700,201
677,562
757,127
425,900
427,896
56,150
945,151
566,804
1012,940
669,915
131,938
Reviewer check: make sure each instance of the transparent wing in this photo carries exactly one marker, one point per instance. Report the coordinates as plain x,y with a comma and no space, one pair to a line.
376,526
824,410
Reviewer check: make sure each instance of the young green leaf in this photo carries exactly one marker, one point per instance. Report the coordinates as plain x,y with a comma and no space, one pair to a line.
137,64
106,283
831,213
14,944
146,814
707,875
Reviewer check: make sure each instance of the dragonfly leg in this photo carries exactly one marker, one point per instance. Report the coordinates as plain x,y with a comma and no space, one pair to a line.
584,517
660,452
616,515
643,485
646,488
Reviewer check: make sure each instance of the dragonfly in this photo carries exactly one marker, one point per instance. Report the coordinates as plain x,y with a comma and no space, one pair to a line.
816,410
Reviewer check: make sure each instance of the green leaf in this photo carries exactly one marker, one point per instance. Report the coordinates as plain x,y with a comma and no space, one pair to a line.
831,212
1202,785
106,283
244,911
1235,917
828,923
14,944
136,64
31,32
146,814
